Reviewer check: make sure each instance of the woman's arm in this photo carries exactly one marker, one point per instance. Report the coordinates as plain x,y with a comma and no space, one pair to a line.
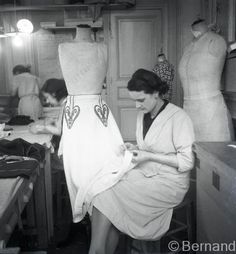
140,156
183,138
14,88
54,129
49,127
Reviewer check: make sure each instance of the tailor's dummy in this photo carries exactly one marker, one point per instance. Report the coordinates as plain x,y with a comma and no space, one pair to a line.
91,141
165,71
200,71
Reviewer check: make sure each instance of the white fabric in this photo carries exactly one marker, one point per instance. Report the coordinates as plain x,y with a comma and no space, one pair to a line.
23,132
91,151
27,87
141,204
211,118
200,70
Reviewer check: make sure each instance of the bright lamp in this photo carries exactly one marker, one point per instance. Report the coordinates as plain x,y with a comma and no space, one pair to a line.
25,26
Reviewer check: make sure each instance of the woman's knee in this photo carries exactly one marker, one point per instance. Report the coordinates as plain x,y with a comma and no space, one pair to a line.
97,249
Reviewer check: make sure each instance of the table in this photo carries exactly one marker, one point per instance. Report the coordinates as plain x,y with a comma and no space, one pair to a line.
216,192
42,139
15,193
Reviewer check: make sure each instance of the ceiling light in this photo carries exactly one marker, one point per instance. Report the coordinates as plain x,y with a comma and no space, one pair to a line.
17,41
25,26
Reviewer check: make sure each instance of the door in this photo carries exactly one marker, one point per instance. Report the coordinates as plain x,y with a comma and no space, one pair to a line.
135,39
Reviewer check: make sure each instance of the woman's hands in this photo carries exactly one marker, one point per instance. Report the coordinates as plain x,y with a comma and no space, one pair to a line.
127,147
140,156
36,128
130,146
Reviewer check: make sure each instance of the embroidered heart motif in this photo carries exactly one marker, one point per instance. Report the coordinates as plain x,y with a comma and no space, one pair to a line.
102,112
71,114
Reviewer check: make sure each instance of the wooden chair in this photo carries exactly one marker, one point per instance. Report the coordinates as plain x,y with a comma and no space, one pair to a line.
182,222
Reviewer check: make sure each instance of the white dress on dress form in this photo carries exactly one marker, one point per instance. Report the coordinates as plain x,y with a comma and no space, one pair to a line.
91,140
200,71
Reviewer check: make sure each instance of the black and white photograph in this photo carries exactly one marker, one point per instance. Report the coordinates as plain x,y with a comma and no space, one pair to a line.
117,126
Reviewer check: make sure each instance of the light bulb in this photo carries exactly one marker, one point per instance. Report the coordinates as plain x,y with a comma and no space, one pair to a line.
25,26
17,41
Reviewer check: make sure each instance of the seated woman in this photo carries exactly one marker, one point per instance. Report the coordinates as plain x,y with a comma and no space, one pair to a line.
141,204
54,92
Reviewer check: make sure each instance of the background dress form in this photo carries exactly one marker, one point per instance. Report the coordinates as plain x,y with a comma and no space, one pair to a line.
165,71
27,87
200,70
91,140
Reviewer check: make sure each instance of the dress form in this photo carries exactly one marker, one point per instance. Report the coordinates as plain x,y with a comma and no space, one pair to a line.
165,71
91,140
83,63
200,71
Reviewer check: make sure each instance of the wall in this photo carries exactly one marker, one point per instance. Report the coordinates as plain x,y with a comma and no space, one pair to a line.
180,14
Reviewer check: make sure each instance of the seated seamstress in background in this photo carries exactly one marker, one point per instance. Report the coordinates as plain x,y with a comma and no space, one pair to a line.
54,92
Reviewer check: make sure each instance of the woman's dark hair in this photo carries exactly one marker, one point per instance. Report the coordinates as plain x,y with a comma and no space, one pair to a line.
148,82
55,87
198,21
18,69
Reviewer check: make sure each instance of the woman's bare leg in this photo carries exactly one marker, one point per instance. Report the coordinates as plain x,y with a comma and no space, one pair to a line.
112,240
100,230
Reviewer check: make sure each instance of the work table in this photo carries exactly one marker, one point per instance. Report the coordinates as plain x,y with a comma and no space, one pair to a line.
216,192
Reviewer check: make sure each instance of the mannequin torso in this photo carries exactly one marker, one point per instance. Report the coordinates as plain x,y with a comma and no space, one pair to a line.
83,63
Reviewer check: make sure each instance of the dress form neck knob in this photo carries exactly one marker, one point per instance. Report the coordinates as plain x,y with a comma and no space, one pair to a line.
83,34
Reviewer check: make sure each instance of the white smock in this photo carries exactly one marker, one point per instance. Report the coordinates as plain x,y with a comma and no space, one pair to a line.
26,86
91,141
200,70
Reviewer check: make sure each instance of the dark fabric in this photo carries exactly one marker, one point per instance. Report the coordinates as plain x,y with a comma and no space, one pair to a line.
22,148
147,120
56,141
11,167
20,120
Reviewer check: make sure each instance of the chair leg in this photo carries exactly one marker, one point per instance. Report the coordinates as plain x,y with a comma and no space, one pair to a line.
59,196
189,222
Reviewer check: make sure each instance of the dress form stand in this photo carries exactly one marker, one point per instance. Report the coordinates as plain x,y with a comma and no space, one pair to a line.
200,71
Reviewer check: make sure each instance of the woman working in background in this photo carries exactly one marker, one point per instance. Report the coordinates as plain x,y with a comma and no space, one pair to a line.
26,86
54,92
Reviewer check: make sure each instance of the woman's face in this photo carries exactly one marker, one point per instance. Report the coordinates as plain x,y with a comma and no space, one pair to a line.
50,99
144,102
196,33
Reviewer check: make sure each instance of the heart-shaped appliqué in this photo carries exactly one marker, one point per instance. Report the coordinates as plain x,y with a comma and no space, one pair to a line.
71,114
102,112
